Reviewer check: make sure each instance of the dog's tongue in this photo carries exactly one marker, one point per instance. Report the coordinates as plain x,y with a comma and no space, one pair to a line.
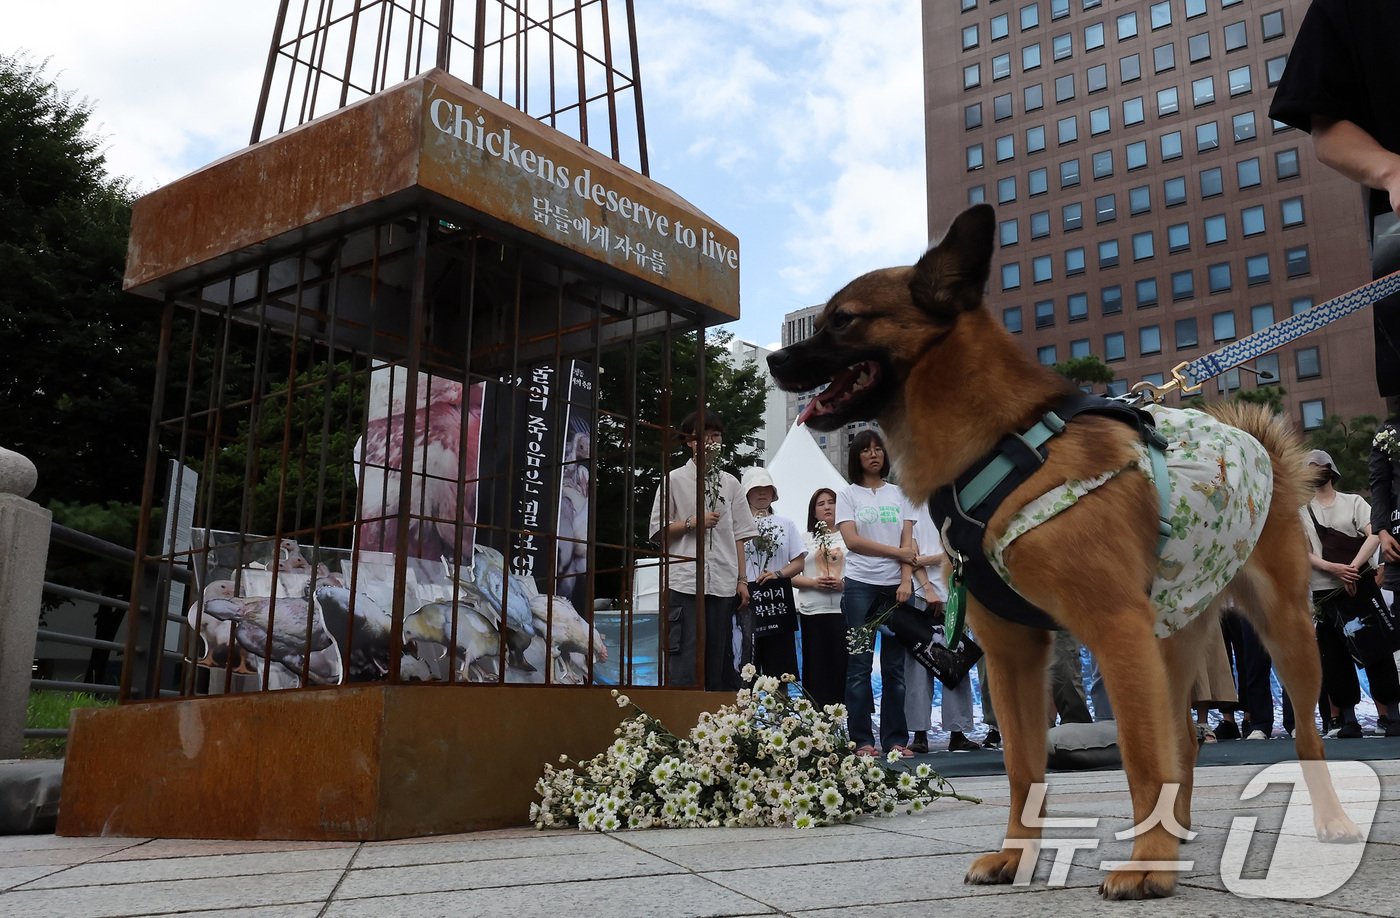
839,386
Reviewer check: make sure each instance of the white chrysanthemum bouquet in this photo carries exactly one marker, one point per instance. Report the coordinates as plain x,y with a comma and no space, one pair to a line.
1387,441
766,760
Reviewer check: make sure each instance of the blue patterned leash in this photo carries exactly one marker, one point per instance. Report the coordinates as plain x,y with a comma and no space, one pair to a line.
1188,376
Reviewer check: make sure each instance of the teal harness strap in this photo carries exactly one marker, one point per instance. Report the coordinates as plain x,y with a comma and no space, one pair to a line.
1000,467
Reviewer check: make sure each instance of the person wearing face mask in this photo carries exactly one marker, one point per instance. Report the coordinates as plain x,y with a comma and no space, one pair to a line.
818,592
1340,546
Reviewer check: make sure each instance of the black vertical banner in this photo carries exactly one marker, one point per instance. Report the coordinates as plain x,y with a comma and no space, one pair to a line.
571,564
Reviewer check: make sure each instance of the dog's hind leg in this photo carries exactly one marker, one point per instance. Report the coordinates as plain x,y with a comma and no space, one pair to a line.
1184,654
1150,730
1272,592
1017,658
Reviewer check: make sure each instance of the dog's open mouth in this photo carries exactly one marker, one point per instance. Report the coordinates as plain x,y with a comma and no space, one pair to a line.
845,389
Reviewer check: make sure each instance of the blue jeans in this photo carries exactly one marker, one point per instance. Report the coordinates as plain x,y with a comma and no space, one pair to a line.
860,697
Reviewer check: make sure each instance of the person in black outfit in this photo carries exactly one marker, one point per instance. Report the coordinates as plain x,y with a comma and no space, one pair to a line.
1339,85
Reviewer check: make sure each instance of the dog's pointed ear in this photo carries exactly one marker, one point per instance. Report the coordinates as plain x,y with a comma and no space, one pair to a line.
951,276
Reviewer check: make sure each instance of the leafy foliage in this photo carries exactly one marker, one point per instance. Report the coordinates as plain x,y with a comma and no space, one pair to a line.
1085,370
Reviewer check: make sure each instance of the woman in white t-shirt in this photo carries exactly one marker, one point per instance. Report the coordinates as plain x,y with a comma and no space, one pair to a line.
818,591
877,524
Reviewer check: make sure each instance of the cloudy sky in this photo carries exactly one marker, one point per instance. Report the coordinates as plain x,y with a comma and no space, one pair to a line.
797,124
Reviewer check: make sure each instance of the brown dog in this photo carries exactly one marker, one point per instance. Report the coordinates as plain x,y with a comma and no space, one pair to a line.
915,349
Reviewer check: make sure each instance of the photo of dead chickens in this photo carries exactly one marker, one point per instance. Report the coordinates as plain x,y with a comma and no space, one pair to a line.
285,614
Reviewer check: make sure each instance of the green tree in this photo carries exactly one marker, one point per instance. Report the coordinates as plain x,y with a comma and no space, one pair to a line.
1349,445
1085,370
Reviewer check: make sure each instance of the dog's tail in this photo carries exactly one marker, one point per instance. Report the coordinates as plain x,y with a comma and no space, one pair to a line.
1293,485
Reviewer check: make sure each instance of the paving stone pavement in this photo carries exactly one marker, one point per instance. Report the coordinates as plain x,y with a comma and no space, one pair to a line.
908,864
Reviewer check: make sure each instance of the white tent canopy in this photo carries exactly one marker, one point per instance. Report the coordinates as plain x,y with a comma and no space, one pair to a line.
798,469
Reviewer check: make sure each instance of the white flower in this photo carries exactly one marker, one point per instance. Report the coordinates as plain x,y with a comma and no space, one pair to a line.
893,756
609,823
804,821
623,701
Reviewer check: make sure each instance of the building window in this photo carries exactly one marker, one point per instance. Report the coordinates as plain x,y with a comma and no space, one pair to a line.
1059,9
1211,183
1099,121
1011,318
1001,106
1030,16
1093,36
1142,246
1035,139
1006,189
969,5
1174,190
1040,224
1046,355
1252,221
1195,8
1045,314
1198,47
1064,87
1207,136
969,37
1077,305
974,157
1308,362
1127,26
1228,381
1273,68
1102,163
1286,163
1272,24
1139,200
1113,347
1247,172
1178,237
1219,277
1062,46
1185,332
1167,102
977,194
1291,209
1261,317
1037,181
1266,370
1202,91
1149,340
1215,231
1241,80
1146,292
1040,269
1256,270
1105,208
1001,67
1222,326
1030,56
972,116
1129,68
1011,276
1243,124
1009,232
1069,173
1068,129
1071,217
1001,27
972,76
1183,285
1236,36
1312,414
1097,77
1163,57
1034,96
1132,111
1296,261
1160,14
1171,146
1137,155
1074,261
1079,347
1006,147
1108,253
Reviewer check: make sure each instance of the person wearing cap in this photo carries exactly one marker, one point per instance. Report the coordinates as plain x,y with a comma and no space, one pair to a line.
777,551
1340,546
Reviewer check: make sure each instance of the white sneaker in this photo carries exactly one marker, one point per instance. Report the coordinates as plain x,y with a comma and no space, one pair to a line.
1256,734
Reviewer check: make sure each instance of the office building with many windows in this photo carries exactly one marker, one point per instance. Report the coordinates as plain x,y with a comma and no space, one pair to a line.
1148,209
797,326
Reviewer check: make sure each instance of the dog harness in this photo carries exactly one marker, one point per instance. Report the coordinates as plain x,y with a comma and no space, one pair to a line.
1214,485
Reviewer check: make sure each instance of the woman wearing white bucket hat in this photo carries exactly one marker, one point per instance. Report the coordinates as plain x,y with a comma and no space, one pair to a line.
777,551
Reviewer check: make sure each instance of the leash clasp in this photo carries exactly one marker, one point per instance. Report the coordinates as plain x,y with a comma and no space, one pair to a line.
1178,383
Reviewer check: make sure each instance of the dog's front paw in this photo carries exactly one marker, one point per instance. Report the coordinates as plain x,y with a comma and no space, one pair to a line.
1138,884
1337,829
995,868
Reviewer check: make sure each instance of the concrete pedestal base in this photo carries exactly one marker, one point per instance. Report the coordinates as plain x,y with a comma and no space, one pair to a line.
361,763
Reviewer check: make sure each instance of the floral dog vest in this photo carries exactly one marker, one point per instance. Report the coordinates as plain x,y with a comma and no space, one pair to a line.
1221,482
